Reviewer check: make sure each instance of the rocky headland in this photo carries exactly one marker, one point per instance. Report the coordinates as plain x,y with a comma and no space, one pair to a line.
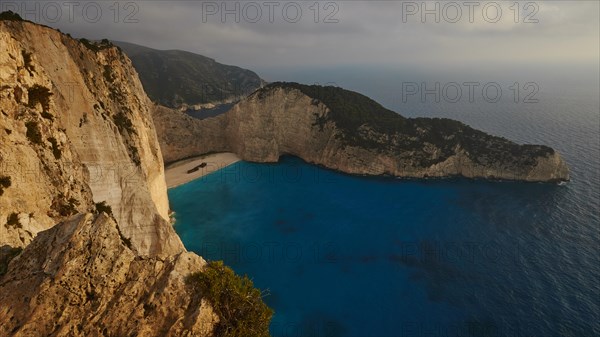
348,132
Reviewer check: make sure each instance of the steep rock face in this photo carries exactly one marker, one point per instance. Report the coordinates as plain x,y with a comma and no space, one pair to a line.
348,132
59,286
122,271
76,130
182,136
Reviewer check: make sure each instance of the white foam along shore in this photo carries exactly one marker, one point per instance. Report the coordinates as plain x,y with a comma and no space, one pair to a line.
177,174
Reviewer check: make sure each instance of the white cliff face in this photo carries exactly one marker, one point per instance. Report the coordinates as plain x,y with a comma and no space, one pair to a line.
280,120
76,130
90,101
182,136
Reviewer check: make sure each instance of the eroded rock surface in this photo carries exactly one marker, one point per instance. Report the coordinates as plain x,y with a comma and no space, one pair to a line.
81,278
76,129
349,132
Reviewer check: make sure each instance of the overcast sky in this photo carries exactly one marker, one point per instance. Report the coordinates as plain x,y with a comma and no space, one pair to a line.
346,32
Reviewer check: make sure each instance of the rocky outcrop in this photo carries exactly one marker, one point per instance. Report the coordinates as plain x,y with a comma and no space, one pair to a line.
79,149
76,129
349,132
182,136
81,278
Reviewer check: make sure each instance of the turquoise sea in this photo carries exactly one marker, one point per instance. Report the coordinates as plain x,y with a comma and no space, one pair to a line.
341,255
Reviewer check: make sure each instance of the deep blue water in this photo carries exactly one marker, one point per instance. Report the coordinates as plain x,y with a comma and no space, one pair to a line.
353,256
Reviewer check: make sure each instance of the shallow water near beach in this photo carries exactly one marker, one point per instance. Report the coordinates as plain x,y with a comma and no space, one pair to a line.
341,255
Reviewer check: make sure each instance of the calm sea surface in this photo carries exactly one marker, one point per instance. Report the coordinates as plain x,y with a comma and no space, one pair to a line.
350,256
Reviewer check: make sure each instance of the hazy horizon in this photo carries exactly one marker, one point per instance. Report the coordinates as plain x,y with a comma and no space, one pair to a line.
282,35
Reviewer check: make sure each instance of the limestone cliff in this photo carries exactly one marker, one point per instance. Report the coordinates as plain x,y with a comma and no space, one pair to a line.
182,136
80,278
79,149
349,132
76,129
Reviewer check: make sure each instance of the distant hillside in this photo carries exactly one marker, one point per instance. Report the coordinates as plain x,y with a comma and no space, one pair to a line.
175,78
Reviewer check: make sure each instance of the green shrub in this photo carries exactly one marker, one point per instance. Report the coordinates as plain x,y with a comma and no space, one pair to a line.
134,154
108,74
10,16
241,310
33,133
103,207
47,115
83,119
124,123
5,183
7,255
64,206
39,94
96,46
89,45
126,241
27,60
13,221
56,151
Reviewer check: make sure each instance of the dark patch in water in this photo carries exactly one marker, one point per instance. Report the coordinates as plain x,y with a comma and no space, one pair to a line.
320,324
272,299
284,228
368,259
300,271
346,269
428,268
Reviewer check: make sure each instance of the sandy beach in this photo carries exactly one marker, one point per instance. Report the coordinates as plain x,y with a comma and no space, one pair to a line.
177,173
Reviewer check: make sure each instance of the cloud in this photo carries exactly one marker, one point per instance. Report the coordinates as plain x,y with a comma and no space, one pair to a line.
342,32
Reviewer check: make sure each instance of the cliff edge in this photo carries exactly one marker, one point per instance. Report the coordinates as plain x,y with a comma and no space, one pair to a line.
86,247
81,278
349,132
76,130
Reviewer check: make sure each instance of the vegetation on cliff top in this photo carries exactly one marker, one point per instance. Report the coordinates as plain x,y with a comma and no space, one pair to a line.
7,254
33,132
96,46
349,109
13,221
5,182
103,207
10,16
39,94
241,310
354,114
